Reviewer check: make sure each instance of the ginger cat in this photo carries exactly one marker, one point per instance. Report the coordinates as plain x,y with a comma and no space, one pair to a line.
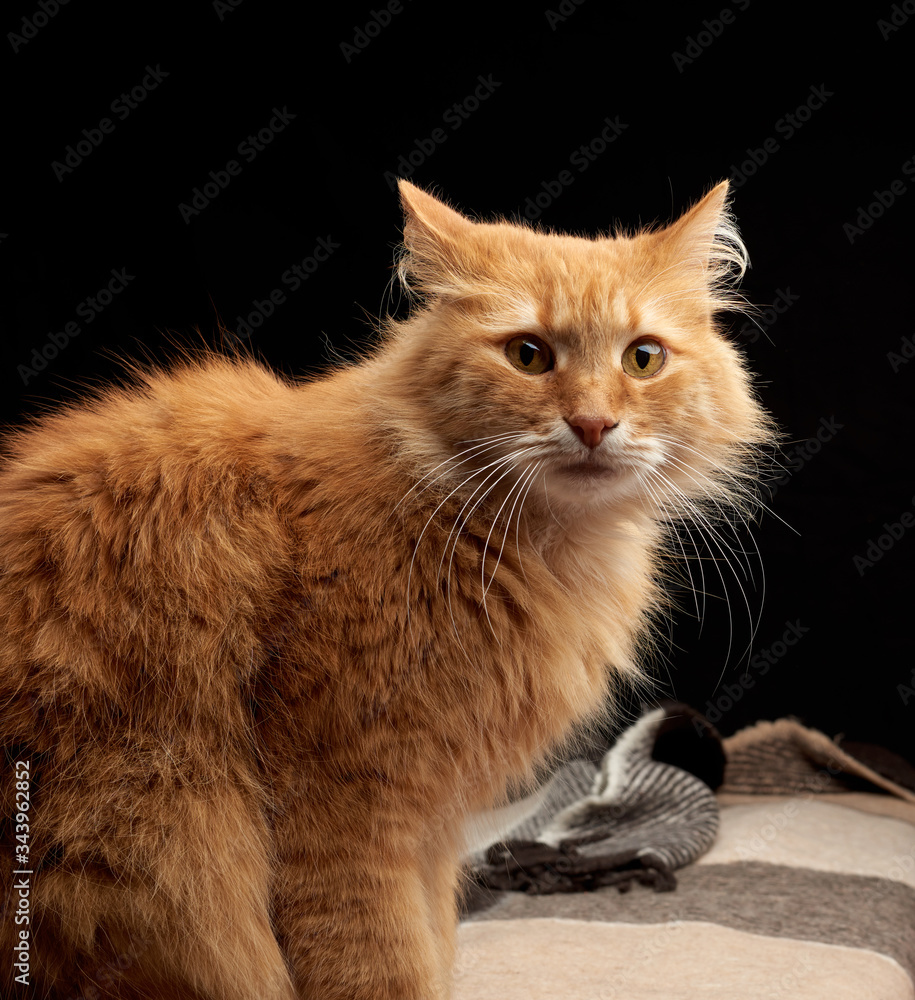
265,644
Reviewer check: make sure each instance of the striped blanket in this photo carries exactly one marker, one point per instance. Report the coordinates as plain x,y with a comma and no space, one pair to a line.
804,890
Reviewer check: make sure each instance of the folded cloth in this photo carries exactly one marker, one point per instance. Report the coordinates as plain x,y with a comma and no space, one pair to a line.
629,818
785,757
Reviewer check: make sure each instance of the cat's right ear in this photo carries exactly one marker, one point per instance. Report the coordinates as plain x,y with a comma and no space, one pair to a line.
435,240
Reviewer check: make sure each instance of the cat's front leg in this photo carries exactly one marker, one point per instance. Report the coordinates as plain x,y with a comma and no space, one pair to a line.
442,874
361,917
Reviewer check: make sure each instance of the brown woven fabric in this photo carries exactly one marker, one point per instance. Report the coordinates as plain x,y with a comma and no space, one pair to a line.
786,758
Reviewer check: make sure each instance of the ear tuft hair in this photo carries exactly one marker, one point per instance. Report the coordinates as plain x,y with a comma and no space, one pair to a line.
706,237
431,259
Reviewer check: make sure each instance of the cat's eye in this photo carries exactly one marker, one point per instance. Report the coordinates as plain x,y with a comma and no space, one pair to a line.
643,358
530,354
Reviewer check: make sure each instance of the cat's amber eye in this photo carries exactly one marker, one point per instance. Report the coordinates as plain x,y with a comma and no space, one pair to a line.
530,354
643,358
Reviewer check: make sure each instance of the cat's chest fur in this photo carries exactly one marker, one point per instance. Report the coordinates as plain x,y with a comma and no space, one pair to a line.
470,643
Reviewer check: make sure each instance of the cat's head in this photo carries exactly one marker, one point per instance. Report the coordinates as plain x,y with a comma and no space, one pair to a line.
591,370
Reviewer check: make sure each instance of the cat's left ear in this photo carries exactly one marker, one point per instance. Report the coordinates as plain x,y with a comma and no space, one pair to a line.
705,238
435,238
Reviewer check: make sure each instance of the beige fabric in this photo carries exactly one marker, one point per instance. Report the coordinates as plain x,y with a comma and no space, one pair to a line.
807,832
586,960
878,805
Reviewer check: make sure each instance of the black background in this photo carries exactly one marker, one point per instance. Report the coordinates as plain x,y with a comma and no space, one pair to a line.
699,90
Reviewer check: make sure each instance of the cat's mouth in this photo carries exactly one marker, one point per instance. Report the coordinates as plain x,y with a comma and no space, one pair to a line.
591,479
590,470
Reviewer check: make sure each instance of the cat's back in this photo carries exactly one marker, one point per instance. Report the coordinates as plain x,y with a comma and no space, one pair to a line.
167,450
201,410
141,527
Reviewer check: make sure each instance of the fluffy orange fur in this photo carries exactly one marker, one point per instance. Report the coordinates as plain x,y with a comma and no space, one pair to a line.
267,644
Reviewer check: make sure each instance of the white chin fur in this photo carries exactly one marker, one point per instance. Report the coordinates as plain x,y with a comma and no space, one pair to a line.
562,487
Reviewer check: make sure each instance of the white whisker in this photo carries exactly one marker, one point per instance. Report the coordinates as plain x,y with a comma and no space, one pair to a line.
498,462
732,484
471,453
519,486
705,526
462,519
658,503
518,519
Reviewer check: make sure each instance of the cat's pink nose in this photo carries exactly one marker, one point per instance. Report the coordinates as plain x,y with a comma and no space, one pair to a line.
591,430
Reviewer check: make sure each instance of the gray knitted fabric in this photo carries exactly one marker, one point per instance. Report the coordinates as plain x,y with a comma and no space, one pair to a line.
630,819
